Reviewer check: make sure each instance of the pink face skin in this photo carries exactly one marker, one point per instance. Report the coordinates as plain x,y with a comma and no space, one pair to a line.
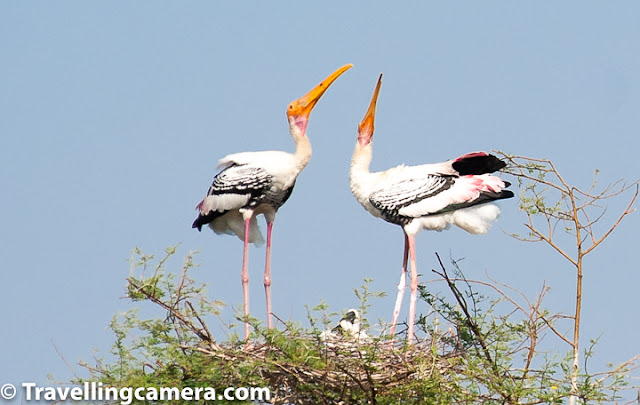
364,139
300,122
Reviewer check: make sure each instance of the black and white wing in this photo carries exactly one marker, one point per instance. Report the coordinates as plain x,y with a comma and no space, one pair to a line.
394,200
235,187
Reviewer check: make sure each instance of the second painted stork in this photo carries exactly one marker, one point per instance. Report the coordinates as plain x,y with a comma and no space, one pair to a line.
254,183
430,196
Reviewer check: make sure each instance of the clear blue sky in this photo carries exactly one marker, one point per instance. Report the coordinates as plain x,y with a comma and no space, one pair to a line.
113,116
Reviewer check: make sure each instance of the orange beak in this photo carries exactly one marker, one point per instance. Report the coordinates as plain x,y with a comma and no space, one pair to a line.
365,128
300,109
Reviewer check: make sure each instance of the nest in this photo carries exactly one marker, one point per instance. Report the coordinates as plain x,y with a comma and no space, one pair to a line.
349,371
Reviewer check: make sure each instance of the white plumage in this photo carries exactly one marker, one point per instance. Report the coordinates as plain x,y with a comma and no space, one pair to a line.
232,223
347,329
254,183
257,181
430,196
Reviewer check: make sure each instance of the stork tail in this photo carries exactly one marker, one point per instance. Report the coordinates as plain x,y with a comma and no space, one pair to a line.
477,163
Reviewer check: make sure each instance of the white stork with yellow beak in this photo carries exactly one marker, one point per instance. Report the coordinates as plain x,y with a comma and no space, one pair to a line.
254,183
429,196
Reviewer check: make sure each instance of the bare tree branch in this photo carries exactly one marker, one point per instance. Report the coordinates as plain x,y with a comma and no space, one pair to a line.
626,212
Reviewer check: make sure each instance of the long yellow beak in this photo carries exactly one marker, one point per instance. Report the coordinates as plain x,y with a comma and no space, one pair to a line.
365,128
301,108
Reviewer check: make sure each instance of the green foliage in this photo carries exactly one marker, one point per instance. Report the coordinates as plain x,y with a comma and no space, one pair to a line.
551,203
483,342
364,295
473,354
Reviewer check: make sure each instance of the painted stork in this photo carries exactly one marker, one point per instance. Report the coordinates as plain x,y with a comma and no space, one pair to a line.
349,324
254,183
348,327
429,196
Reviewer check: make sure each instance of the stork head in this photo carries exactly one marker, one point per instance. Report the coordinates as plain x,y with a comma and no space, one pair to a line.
349,325
299,110
365,128
352,316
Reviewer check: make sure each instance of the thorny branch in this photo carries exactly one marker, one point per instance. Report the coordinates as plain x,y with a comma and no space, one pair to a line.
543,175
300,367
173,310
480,337
578,203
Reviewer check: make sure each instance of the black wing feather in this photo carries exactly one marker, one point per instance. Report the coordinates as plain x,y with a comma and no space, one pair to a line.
478,165
240,179
390,200
236,179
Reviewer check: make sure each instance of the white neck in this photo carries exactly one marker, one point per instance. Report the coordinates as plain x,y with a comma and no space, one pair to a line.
361,160
360,178
302,154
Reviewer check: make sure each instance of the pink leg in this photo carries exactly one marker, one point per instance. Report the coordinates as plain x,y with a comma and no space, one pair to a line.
401,287
267,274
414,289
245,276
